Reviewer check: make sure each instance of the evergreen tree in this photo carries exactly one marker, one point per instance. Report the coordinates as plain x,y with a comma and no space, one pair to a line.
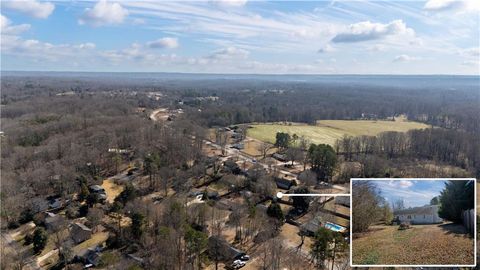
40,239
456,197
138,224
275,211
323,159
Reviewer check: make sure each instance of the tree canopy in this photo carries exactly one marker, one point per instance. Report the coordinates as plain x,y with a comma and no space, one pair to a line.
282,140
456,197
301,202
323,159
366,205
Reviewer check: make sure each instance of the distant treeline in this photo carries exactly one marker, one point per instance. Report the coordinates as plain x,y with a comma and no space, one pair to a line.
308,102
457,148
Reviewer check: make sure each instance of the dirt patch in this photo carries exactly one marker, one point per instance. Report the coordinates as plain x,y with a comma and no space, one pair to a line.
252,148
160,114
290,234
97,239
112,189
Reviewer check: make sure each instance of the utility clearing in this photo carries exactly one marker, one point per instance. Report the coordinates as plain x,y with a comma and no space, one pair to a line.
328,131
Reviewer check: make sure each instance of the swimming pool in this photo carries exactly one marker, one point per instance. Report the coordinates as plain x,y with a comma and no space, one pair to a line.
334,227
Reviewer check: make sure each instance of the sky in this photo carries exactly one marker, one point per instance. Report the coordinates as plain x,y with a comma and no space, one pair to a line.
412,192
241,36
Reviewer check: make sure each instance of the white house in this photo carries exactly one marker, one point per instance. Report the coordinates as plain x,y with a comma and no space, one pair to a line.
419,215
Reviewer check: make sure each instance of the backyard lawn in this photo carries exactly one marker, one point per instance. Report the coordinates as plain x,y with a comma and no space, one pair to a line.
421,245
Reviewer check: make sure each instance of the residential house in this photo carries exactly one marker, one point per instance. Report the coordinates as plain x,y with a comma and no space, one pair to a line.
343,200
321,220
232,166
80,232
427,214
311,227
220,249
53,222
39,205
280,157
285,184
99,191
238,146
212,195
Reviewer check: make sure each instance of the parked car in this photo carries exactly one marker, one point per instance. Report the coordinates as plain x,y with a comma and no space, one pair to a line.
245,258
237,264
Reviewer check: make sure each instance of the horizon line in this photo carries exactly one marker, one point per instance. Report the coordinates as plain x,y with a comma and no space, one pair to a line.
248,74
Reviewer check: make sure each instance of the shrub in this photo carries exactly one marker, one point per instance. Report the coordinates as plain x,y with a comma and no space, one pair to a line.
108,258
26,216
83,210
28,239
13,224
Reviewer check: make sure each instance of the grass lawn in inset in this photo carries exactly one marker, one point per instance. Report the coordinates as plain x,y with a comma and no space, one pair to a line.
438,244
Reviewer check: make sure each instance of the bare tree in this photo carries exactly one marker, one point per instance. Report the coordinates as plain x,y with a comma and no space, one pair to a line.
94,217
263,148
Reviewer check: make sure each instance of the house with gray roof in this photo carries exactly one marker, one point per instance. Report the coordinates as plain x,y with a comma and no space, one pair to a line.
427,214
80,232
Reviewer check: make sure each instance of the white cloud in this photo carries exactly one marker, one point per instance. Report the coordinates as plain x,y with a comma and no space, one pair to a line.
229,53
138,21
405,184
87,46
471,52
104,13
458,6
36,50
471,63
404,58
233,3
395,184
377,48
33,8
281,31
364,31
326,49
166,42
8,29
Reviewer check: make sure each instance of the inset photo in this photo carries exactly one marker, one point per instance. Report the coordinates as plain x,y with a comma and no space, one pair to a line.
413,222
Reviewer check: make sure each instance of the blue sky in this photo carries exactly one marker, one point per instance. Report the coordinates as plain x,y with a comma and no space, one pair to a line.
412,192
241,36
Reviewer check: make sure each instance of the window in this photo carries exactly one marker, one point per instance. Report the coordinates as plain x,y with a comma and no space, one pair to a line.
409,217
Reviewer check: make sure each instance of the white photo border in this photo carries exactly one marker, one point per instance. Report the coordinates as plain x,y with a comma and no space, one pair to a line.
415,265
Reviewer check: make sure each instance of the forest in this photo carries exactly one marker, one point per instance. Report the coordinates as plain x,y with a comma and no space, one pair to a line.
63,133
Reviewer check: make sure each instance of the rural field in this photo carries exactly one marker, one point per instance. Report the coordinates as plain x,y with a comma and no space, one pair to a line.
422,244
328,131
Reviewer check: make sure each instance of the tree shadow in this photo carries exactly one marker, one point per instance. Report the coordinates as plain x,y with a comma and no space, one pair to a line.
454,228
366,233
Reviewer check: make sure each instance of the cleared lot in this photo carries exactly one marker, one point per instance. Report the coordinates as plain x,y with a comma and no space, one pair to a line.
422,245
328,131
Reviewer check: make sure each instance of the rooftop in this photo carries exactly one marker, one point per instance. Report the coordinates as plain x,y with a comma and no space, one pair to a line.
421,210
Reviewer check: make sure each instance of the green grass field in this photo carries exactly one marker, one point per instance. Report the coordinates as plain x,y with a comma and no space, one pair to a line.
328,131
